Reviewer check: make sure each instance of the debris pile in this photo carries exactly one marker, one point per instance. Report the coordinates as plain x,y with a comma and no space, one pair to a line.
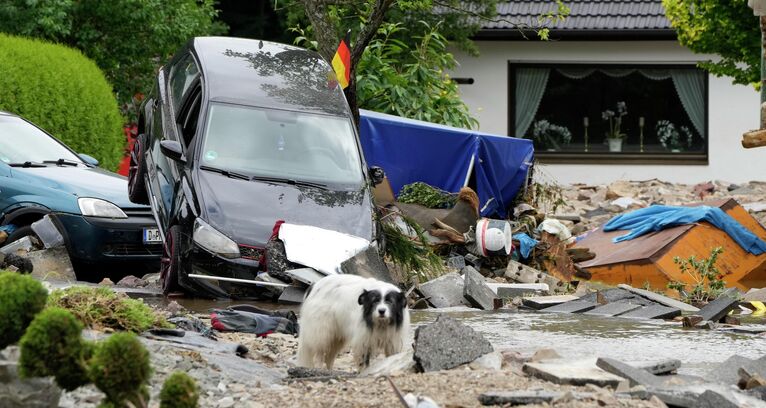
42,253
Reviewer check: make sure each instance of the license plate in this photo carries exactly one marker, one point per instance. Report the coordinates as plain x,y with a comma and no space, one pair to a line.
152,236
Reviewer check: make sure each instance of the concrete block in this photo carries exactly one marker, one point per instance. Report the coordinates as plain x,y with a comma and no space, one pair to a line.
727,372
661,299
575,372
653,312
446,344
657,367
512,290
575,306
369,264
307,276
445,291
518,397
292,295
636,376
718,309
613,309
476,290
542,302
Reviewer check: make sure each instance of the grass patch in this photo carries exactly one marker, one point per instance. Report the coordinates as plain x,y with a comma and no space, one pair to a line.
101,308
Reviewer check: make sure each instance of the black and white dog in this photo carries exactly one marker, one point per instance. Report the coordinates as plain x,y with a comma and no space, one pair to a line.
348,310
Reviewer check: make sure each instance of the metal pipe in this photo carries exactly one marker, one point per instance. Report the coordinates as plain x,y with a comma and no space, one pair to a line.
250,281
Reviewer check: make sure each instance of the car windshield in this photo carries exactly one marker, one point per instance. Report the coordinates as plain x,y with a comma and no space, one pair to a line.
282,144
22,142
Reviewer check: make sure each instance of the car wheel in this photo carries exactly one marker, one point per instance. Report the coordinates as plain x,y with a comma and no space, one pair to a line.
137,172
19,233
171,261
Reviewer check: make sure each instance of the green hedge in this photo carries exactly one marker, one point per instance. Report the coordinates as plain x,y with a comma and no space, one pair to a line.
63,92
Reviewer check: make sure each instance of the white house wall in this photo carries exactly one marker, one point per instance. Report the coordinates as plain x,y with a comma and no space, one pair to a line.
733,109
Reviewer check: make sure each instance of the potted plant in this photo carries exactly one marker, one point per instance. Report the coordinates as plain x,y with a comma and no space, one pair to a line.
551,136
614,135
671,138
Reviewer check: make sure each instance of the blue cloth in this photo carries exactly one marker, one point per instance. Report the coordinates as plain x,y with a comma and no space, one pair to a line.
658,217
526,242
446,157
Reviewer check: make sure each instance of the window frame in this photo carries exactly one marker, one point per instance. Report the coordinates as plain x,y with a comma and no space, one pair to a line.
701,158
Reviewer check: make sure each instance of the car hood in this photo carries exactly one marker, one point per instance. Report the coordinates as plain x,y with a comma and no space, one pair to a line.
247,210
80,181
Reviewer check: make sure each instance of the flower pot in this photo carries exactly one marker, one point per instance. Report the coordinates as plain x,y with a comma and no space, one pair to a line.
615,145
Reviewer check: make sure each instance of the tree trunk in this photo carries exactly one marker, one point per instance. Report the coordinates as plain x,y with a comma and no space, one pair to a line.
328,38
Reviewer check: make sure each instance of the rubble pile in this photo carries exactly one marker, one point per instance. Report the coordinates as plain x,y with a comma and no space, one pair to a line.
585,207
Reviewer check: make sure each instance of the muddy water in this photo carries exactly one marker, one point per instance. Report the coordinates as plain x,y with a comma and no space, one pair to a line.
573,335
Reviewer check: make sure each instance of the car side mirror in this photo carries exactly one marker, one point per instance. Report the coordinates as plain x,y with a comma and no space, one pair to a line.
88,159
377,175
172,150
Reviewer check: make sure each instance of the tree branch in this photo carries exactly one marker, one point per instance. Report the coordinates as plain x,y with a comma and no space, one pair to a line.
370,29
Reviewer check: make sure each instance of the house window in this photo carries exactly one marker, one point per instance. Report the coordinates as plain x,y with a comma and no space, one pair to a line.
610,113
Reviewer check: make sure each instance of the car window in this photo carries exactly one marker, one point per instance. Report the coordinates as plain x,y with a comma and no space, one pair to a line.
284,144
20,142
189,117
183,74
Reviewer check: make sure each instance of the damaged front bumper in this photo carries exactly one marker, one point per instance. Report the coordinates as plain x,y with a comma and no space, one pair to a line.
214,275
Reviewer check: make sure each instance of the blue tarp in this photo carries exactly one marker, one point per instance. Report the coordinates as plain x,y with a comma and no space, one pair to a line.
658,217
442,156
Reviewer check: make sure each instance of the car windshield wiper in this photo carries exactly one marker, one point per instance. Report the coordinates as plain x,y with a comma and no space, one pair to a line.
290,181
61,162
227,173
27,164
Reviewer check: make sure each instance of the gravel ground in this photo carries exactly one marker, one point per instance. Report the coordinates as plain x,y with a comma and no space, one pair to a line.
254,385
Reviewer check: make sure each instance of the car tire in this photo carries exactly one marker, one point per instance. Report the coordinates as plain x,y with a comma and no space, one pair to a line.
19,233
137,172
171,261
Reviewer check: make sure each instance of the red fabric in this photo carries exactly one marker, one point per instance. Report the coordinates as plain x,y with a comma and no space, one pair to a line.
130,131
275,231
216,323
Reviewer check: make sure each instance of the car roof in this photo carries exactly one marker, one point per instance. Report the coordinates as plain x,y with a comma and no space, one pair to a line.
263,73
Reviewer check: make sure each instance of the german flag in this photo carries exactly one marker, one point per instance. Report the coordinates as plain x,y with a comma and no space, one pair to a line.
341,62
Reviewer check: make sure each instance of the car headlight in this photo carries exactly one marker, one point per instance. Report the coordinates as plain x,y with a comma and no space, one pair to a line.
96,207
209,238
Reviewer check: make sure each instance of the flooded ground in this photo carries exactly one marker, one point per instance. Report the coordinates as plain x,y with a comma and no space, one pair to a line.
575,335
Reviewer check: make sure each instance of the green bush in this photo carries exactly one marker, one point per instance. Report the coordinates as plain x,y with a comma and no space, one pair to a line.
179,391
53,346
21,298
64,93
128,39
103,308
120,369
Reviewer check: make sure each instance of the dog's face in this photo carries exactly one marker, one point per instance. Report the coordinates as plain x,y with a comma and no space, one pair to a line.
382,308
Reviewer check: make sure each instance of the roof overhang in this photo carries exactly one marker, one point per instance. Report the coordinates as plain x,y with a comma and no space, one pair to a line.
506,34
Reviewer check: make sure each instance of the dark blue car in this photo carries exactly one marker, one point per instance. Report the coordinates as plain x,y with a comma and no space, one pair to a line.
39,175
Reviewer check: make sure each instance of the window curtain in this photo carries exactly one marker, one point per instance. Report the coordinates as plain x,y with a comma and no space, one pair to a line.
690,86
530,87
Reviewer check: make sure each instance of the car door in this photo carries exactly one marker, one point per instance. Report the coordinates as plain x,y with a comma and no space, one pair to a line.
164,173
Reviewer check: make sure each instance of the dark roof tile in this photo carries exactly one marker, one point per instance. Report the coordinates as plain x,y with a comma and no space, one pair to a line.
633,15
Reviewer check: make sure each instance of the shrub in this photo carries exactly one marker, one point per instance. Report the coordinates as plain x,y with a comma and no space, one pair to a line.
708,280
53,346
101,307
179,391
128,39
64,93
21,298
120,369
